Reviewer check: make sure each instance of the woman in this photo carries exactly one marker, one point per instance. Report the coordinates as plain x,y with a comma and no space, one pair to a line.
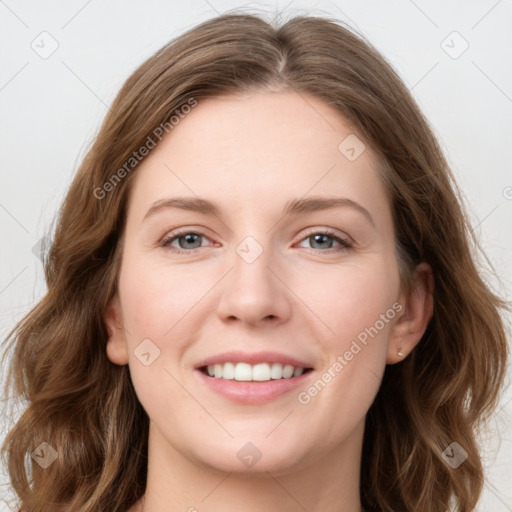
261,294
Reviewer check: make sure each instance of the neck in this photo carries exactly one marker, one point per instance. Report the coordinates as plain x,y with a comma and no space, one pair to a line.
330,483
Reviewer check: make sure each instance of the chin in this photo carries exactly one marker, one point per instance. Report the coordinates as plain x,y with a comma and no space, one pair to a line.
259,456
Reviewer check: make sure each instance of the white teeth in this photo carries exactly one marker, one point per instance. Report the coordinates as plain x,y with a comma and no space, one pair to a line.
217,371
228,371
259,372
287,371
243,371
276,372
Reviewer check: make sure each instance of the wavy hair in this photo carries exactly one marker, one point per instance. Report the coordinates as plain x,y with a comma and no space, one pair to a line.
85,406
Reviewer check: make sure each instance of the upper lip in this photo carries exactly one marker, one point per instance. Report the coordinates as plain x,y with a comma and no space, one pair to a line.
252,358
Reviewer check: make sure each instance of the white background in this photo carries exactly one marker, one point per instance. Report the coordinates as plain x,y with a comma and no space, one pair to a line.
51,109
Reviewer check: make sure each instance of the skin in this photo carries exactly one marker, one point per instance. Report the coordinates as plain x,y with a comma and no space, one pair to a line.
251,154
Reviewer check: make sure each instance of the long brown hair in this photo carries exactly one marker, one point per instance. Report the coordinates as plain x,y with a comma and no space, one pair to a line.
86,408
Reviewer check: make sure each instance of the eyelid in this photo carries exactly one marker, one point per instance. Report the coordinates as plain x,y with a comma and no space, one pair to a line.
328,231
169,237
346,242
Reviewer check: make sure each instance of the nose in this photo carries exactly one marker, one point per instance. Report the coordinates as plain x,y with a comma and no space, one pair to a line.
254,292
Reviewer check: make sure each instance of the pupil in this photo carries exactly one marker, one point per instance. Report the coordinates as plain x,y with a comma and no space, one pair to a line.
189,238
320,238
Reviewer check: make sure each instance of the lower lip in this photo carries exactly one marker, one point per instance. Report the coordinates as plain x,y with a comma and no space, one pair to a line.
252,392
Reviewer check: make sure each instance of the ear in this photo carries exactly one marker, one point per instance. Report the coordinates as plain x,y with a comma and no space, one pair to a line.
117,350
418,307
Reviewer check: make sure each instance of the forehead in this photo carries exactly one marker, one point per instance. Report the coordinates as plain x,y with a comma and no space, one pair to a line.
263,149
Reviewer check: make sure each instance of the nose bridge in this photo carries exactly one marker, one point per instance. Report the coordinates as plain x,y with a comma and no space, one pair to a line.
249,249
251,276
252,291
251,263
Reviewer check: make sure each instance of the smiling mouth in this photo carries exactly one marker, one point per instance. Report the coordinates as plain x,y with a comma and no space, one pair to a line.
245,372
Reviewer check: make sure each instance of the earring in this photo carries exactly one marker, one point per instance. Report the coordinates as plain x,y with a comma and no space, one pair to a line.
399,353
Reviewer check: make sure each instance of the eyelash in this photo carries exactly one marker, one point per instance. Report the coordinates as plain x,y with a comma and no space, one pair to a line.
344,244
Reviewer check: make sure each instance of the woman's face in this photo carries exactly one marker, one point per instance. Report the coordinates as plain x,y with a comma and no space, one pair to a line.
275,277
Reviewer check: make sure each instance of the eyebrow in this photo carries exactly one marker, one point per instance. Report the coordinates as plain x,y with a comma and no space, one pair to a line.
292,207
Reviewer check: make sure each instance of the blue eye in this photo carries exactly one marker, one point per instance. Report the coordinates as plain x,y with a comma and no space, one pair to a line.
190,241
187,241
324,240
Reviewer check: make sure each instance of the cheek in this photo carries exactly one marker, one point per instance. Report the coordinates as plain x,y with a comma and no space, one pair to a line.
357,305
157,305
158,299
351,298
